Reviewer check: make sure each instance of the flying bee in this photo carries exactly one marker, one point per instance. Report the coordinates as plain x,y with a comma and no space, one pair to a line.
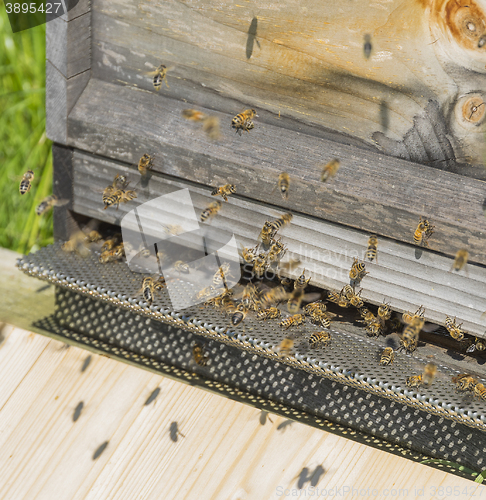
222,274
194,115
239,315
145,164
282,221
358,271
285,347
461,260
266,234
464,382
296,298
371,250
93,236
453,329
408,318
198,354
429,374
116,253
478,345
111,242
160,75
205,293
270,313
224,191
367,48
384,312
387,356
318,338
274,296
295,320
415,381
211,127
284,184
411,333
277,251
300,283
330,170
480,391
423,232
212,209
76,243
243,121
228,305
49,202
25,183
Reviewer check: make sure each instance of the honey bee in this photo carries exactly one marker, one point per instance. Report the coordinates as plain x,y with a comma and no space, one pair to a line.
461,260
353,298
464,382
116,253
211,127
321,318
415,381
49,202
330,170
318,338
211,211
266,234
182,267
277,251
243,121
338,299
76,243
274,296
222,274
300,283
314,306
453,329
145,164
250,298
239,315
270,313
228,305
115,193
260,265
423,232
374,328
295,320
160,75
384,312
248,254
429,374
285,347
148,289
284,184
93,236
480,391
387,356
296,298
408,318
25,183
198,354
282,221
224,191
204,293
194,115
358,271
478,345
367,315
371,250
111,242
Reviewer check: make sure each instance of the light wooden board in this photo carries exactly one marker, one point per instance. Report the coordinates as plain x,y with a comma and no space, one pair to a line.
225,452
325,250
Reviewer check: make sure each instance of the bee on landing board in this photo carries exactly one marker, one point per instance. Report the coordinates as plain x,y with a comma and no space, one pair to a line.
319,338
478,345
200,357
330,170
455,330
461,260
423,232
243,121
284,185
49,202
25,183
387,356
295,320
239,315
464,382
224,191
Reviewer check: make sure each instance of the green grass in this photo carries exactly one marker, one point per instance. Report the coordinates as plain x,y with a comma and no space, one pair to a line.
23,143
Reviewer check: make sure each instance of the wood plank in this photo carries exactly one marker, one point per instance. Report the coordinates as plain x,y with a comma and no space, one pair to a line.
46,454
325,250
68,44
310,67
81,7
371,192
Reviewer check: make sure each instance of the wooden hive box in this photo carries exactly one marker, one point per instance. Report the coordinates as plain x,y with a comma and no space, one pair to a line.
405,116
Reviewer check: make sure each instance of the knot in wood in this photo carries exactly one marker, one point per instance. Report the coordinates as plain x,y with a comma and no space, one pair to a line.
473,110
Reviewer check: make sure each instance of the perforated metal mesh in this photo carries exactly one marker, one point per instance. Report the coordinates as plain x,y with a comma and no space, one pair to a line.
343,382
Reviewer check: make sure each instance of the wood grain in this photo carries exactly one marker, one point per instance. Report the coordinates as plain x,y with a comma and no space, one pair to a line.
371,192
48,455
325,250
310,66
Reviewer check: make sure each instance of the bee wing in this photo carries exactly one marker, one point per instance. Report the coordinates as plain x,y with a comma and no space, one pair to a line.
309,297
155,71
471,348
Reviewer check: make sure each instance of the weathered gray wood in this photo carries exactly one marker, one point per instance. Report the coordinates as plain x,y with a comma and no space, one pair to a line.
82,7
326,250
371,192
68,44
61,95
62,187
309,67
